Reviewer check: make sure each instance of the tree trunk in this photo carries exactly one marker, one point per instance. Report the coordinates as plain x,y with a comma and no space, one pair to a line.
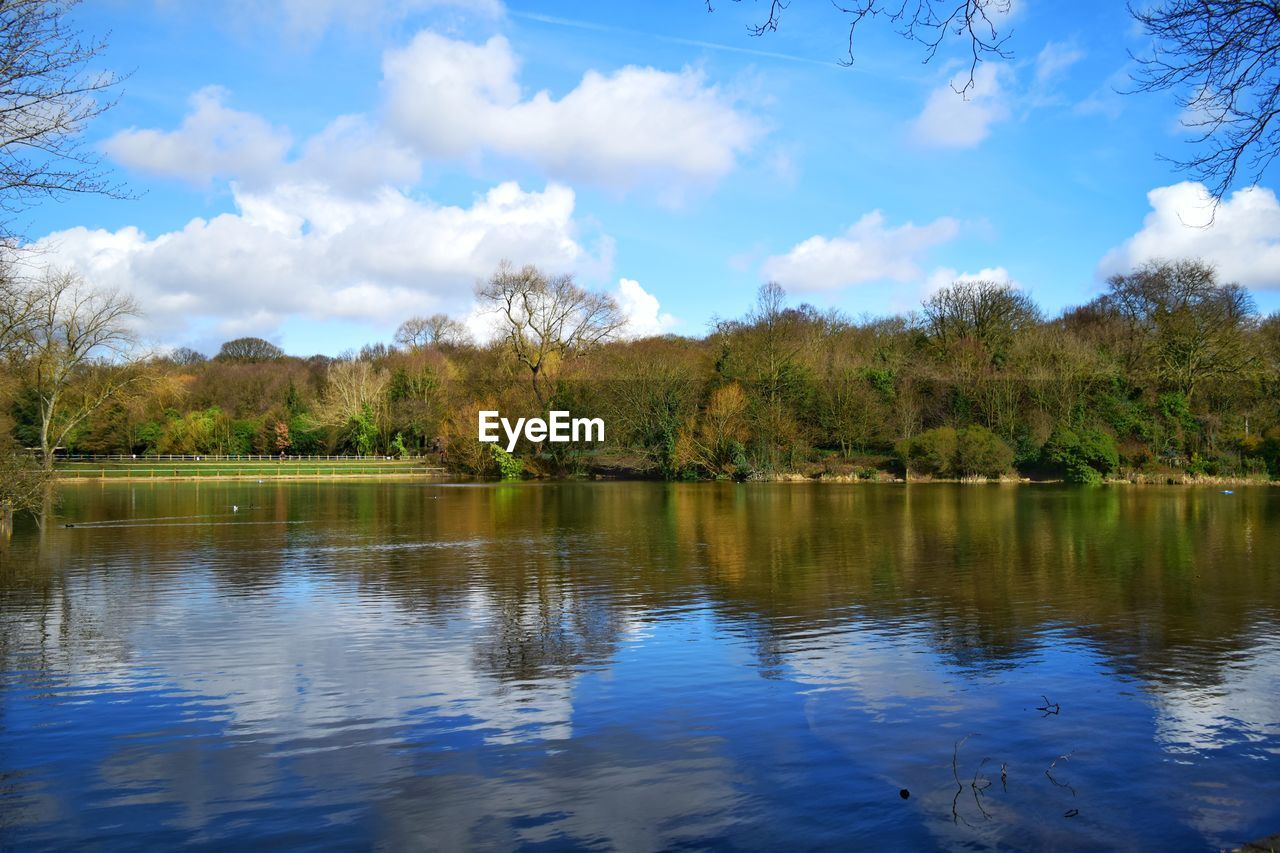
46,452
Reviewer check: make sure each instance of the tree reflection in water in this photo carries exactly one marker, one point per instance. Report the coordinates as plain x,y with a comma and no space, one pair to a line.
513,664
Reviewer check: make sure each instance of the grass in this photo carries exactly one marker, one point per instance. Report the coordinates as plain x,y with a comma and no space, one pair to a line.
150,469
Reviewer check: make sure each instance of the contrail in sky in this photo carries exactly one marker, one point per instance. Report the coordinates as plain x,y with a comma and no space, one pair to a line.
710,45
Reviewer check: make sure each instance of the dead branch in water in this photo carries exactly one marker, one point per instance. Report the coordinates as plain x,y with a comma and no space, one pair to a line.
978,789
1048,772
977,785
955,772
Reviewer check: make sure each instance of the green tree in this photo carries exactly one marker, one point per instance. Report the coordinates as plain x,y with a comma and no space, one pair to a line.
1086,456
364,431
981,453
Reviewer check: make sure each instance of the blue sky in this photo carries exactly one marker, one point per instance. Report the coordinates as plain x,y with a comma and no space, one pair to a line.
314,172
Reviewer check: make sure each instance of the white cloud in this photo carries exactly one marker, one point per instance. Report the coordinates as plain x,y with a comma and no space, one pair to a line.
447,99
954,120
644,317
1241,238
1054,59
950,120
213,141
326,228
353,155
303,250
633,127
946,276
868,251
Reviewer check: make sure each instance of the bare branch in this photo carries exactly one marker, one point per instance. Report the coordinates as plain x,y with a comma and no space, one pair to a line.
48,95
1219,58
549,319
929,23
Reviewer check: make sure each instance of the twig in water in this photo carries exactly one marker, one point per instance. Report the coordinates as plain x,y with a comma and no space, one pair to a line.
978,789
1054,764
955,772
1048,707
1004,776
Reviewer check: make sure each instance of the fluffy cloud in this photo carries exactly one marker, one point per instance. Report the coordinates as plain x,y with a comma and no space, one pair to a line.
1241,238
213,141
644,317
447,99
303,250
354,156
950,120
945,276
868,251
327,228
633,127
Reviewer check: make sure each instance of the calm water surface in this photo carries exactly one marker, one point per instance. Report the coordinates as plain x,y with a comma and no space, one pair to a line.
642,666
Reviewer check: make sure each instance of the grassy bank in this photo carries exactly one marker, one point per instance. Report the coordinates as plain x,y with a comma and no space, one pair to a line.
149,470
144,469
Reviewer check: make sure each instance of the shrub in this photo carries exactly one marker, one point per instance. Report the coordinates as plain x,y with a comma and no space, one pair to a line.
974,451
932,452
1086,456
981,453
509,467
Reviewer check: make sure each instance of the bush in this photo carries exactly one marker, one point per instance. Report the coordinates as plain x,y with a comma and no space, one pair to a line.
1086,456
509,467
974,451
981,453
932,452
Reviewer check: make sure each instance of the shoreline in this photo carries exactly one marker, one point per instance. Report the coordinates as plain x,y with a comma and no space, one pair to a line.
1138,480
197,478
833,479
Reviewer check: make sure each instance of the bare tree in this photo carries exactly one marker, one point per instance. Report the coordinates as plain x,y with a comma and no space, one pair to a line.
78,350
22,485
21,482
15,315
436,330
48,94
929,23
249,351
548,319
187,357
1187,326
1221,59
989,312
352,387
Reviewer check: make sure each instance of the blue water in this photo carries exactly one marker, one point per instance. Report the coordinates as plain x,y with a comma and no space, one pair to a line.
641,667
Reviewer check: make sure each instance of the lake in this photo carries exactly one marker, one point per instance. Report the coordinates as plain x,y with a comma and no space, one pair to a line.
642,666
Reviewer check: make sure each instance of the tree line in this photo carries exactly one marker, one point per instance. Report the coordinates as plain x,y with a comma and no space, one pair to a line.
1168,373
